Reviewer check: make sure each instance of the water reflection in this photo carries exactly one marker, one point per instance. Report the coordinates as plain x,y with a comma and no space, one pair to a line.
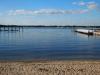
9,39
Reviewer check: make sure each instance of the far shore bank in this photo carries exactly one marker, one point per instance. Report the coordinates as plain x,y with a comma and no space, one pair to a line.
41,67
69,26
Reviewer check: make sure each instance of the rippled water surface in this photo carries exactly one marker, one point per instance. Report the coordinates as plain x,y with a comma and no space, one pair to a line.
48,43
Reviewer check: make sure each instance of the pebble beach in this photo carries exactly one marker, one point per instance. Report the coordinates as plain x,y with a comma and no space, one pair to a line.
50,68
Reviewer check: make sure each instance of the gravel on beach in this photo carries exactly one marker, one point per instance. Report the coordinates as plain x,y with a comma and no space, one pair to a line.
50,68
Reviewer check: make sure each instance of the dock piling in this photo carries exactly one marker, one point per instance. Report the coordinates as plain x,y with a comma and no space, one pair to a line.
10,28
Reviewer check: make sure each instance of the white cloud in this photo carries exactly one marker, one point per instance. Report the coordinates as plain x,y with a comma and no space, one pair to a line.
81,3
36,12
49,11
89,5
92,5
19,12
45,12
84,11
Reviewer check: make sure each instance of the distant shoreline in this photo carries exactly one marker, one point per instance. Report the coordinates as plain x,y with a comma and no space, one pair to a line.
48,26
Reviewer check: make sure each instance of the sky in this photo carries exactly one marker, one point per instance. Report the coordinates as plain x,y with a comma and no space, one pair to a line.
50,12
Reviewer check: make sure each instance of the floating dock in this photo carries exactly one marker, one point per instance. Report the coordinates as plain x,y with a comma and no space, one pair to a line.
85,31
88,31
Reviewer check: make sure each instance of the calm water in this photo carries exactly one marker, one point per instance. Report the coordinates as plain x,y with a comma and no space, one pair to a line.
48,43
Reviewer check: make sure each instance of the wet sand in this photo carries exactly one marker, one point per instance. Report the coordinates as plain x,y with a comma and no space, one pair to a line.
50,68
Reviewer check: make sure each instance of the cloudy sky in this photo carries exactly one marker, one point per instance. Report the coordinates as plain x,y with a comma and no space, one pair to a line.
50,12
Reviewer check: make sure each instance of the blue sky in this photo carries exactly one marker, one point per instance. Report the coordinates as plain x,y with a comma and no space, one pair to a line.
50,12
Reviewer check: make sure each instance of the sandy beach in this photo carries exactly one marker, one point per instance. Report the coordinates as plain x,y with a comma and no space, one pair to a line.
50,68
